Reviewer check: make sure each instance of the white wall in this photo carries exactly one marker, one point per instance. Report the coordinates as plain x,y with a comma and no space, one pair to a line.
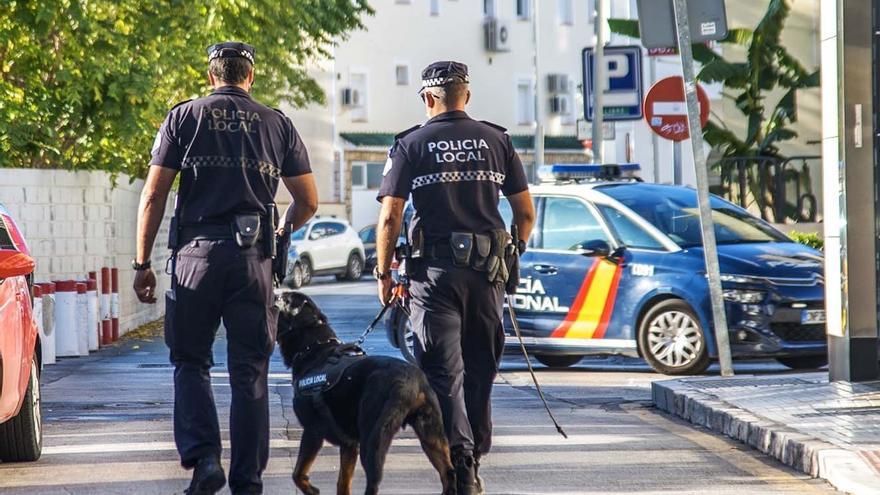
77,222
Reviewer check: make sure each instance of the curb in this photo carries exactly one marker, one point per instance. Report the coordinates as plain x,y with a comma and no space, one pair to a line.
844,469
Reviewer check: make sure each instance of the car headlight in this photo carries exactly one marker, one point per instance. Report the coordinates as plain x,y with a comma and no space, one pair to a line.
736,279
744,296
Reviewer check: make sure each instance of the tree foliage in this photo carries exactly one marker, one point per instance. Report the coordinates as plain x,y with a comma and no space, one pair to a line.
85,83
768,66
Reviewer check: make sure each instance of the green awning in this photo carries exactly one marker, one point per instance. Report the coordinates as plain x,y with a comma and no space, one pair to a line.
520,141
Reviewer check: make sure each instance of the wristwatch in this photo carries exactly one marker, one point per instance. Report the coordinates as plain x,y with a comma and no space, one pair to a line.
146,265
379,275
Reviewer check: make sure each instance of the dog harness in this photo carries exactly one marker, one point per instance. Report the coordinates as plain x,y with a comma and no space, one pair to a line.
326,376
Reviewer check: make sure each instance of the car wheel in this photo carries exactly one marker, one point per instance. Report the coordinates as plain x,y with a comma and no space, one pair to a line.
672,340
405,337
21,438
803,362
558,361
306,268
296,277
354,268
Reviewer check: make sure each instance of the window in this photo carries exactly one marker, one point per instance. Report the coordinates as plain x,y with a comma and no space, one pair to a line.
5,237
525,102
524,9
435,7
489,8
565,12
567,223
359,83
401,74
367,175
368,235
628,232
326,229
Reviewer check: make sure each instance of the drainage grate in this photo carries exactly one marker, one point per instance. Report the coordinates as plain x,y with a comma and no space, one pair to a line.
746,382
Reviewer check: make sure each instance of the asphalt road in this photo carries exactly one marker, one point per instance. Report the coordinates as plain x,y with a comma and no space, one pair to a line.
108,429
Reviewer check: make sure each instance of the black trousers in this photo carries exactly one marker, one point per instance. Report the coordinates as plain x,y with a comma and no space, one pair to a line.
216,280
456,317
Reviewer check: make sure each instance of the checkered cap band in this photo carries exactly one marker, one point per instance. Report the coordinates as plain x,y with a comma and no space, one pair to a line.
440,81
265,168
467,176
241,53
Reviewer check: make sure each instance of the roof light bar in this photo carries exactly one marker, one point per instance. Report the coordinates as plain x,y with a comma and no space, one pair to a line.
584,171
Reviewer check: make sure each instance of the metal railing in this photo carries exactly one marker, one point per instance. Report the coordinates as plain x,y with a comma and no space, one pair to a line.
780,190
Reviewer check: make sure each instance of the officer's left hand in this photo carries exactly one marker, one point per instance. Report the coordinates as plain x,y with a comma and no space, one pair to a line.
145,285
386,288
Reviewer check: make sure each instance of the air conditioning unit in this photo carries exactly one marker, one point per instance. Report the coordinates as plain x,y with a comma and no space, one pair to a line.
497,34
558,83
560,105
351,97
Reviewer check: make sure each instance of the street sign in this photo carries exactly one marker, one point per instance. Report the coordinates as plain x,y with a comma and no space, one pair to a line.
623,85
707,19
585,130
666,110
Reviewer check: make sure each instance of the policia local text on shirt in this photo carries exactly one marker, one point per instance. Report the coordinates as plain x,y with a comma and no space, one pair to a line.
231,152
454,167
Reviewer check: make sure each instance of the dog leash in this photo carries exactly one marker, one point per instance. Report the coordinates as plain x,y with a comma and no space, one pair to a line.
522,346
396,296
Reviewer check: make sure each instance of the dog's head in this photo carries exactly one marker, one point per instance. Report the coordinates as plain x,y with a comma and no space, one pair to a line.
300,324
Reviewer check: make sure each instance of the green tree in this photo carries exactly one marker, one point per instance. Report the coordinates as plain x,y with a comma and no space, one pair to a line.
84,84
768,66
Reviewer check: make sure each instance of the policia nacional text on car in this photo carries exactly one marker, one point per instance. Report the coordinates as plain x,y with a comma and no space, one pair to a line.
231,152
454,166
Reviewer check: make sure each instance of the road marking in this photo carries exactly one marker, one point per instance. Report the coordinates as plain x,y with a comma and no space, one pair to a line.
738,455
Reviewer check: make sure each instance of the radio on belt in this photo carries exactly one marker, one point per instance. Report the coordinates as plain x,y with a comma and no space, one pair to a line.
590,172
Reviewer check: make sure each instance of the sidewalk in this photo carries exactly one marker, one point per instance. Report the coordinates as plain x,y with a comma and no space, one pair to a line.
828,430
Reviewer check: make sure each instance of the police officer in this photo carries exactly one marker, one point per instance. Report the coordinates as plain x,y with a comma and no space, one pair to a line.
230,152
454,167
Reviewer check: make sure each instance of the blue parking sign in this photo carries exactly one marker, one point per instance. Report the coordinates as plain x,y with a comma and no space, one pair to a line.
623,84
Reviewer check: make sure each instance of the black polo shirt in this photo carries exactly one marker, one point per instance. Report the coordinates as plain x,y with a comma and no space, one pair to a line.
454,167
231,152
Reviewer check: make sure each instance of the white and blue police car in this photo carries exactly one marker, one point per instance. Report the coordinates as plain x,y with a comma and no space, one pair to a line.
615,266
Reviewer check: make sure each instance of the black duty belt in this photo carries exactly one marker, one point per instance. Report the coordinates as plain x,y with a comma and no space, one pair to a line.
438,252
215,232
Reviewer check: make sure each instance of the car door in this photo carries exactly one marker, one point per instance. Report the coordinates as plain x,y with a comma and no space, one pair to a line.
564,293
318,246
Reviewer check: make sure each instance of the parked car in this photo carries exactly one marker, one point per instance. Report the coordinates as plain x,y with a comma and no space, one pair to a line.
21,436
368,237
324,246
616,266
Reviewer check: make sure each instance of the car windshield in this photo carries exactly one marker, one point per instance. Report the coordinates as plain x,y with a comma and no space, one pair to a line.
299,234
674,212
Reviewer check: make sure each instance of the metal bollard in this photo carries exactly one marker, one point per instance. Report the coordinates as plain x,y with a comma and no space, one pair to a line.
65,319
82,319
47,336
114,303
94,326
106,330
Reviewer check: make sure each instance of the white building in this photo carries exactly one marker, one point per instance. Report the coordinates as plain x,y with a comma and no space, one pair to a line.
372,85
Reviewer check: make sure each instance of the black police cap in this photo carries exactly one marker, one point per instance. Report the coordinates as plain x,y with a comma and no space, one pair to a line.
442,73
231,49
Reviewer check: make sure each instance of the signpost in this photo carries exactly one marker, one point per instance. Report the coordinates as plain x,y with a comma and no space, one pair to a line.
682,31
622,90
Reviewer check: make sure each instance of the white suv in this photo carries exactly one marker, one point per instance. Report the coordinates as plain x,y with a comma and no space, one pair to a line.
324,246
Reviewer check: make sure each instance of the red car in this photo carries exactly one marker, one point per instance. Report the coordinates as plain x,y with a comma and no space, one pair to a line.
21,435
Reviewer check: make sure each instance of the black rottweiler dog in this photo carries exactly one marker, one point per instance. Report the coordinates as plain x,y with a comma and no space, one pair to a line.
354,401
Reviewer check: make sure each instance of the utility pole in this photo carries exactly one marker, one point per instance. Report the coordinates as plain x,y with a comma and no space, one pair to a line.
599,69
539,114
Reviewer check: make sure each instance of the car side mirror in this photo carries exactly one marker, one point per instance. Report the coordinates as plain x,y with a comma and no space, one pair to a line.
314,236
595,248
14,264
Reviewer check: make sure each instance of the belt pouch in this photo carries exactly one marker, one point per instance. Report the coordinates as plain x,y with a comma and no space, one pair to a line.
462,244
481,260
247,229
418,244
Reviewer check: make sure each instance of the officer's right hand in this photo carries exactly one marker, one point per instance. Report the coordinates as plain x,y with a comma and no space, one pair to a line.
145,285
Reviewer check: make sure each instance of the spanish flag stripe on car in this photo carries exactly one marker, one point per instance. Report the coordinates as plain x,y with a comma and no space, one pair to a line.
589,314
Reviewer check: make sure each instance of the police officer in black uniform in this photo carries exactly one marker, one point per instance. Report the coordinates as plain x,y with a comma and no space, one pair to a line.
454,167
230,152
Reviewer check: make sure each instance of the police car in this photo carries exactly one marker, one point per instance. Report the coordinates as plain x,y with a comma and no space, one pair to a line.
615,266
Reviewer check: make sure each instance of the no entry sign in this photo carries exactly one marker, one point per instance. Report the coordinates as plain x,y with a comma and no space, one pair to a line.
666,111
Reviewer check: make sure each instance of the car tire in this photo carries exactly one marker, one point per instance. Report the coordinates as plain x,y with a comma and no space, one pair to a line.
295,281
672,340
306,267
354,268
803,362
564,361
405,337
21,437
